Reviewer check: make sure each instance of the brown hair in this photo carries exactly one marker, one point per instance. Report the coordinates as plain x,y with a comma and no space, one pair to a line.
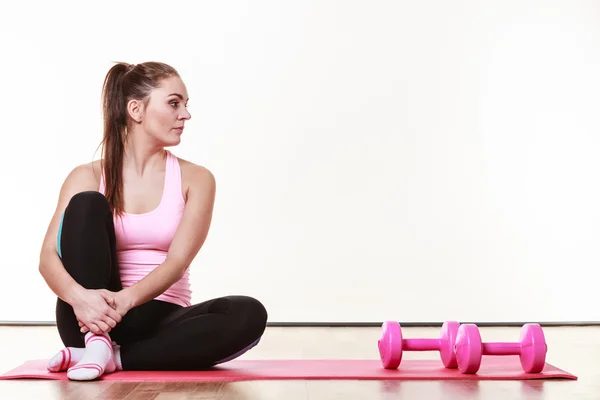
124,82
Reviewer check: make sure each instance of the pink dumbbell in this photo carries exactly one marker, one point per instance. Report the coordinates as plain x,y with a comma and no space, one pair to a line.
391,344
531,348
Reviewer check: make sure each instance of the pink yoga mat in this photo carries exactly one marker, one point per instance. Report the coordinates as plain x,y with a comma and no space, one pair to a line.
492,368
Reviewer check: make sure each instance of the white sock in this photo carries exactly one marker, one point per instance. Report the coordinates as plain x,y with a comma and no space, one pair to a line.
97,359
65,359
117,357
69,356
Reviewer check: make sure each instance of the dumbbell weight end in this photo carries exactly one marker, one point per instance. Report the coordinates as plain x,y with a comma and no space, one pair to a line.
533,348
390,345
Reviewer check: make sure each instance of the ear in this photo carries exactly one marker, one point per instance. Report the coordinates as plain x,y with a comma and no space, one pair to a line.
135,109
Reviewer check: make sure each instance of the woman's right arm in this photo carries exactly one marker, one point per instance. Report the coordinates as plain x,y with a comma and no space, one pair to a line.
89,304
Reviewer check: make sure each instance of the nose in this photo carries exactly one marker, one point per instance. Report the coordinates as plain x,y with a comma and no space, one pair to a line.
186,114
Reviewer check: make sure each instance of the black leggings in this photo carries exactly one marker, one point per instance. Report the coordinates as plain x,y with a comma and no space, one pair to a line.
156,335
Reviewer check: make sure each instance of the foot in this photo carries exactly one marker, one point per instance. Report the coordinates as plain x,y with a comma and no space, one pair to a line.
65,359
97,359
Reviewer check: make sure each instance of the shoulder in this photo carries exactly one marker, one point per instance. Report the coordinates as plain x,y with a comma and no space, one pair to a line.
196,178
84,177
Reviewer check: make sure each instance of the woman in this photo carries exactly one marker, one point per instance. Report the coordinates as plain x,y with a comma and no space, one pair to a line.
125,230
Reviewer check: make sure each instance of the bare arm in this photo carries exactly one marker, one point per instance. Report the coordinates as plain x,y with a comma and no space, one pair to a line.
51,268
189,238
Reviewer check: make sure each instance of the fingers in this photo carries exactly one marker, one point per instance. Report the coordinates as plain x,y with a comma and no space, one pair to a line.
109,298
99,314
110,322
111,318
111,313
96,329
99,327
82,327
103,326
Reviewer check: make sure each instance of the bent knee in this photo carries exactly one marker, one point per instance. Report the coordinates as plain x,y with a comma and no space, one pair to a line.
258,312
88,201
257,316
252,312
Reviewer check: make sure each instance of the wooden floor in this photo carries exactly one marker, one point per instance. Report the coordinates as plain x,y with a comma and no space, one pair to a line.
576,350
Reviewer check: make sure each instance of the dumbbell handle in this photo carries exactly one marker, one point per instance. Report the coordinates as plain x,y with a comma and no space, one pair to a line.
502,349
421,344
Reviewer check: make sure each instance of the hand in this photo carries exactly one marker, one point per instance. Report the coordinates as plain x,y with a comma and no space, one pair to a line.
120,301
93,311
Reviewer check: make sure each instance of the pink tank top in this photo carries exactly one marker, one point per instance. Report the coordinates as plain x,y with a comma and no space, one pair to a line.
143,240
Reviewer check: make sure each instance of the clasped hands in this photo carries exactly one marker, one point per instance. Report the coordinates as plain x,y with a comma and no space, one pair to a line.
100,310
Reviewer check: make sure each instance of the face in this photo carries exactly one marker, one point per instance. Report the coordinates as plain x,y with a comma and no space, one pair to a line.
163,116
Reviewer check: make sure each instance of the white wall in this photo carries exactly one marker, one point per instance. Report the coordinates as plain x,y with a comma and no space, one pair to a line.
409,160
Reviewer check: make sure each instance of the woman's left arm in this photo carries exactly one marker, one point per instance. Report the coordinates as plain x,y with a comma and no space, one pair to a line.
188,239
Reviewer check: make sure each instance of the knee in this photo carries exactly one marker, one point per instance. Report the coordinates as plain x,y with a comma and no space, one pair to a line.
88,202
253,313
258,312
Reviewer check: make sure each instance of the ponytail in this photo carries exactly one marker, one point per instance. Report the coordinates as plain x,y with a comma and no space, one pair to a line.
114,109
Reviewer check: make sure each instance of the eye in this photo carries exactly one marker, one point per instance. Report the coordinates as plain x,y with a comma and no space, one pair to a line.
174,103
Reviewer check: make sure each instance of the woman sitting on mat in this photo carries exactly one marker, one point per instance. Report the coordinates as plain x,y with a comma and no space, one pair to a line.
125,231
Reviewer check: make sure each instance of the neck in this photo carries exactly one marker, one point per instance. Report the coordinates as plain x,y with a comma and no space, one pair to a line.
142,156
